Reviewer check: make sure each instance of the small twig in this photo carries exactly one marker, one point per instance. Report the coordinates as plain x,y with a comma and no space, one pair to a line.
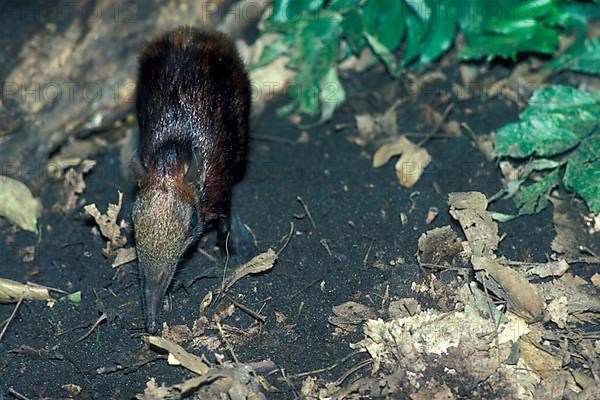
226,262
287,240
297,292
16,394
352,370
329,368
325,244
12,316
248,310
307,212
207,255
251,232
102,317
437,125
287,381
227,343
366,257
275,139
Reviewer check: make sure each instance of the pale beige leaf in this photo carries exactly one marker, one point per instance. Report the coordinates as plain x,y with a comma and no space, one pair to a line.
11,291
124,256
18,204
187,360
469,208
412,163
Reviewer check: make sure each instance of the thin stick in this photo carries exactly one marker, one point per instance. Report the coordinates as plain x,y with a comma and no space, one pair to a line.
248,310
297,292
229,347
287,241
17,394
352,370
329,368
274,139
102,317
226,262
306,210
12,316
287,381
437,126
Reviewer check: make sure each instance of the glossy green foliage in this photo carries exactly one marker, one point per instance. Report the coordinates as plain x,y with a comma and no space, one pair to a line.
559,122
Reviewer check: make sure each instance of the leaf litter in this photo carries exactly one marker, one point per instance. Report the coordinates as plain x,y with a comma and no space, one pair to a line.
507,335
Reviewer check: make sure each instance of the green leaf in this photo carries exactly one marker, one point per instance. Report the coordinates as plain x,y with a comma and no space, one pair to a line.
583,172
352,28
533,198
73,298
332,94
279,46
313,50
288,10
556,120
384,55
415,31
343,6
18,204
583,56
515,27
441,30
384,20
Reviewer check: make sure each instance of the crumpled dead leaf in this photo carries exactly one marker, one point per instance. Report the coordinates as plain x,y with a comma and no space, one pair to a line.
11,291
18,204
469,208
543,270
371,126
124,256
512,287
439,246
238,382
108,225
260,263
581,296
412,163
74,183
349,315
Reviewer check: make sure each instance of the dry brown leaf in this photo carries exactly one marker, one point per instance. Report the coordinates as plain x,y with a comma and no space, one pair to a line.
551,268
581,296
525,296
260,263
371,126
540,361
403,308
439,246
469,208
74,183
558,311
11,291
108,225
124,256
349,315
412,163
178,356
553,386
